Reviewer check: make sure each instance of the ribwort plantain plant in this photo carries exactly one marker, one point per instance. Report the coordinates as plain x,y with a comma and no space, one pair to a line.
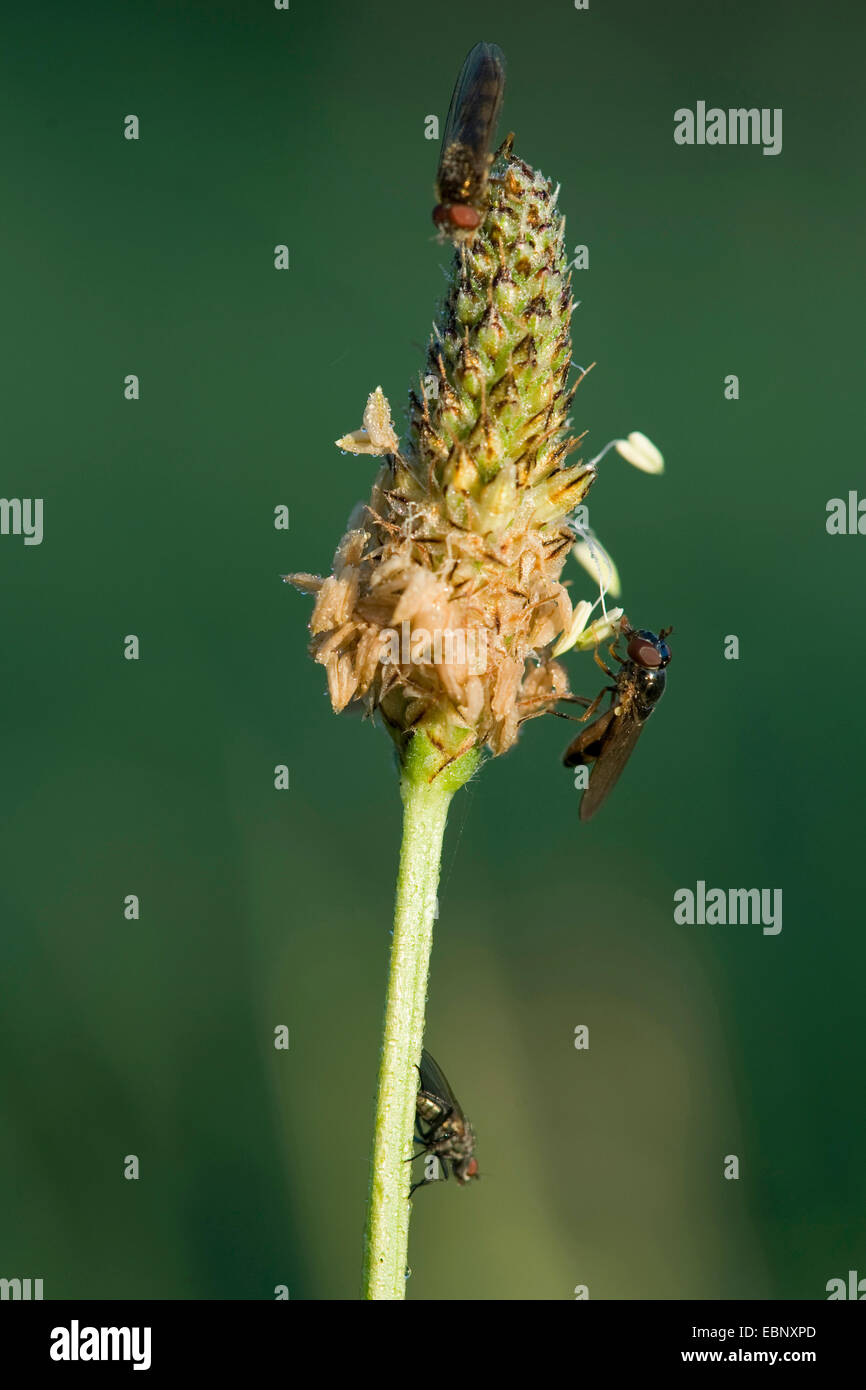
445,612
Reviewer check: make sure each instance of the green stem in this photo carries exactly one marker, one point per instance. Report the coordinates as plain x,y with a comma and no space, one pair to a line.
426,790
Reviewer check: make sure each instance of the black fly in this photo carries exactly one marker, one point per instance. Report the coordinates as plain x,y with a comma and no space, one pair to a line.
610,740
464,161
441,1126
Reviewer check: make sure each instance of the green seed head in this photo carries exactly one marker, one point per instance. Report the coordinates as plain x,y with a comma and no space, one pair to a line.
466,531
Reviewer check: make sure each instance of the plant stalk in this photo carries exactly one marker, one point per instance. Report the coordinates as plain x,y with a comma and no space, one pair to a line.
425,810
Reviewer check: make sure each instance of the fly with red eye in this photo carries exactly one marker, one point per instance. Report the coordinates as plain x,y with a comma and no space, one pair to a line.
441,1126
608,743
465,158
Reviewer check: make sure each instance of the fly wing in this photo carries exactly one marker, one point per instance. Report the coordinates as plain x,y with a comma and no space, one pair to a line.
435,1089
589,742
624,730
476,103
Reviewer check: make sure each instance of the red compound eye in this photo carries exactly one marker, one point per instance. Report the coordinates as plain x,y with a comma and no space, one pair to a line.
456,215
464,217
642,652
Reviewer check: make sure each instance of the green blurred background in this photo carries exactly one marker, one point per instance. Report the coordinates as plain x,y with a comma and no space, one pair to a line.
156,777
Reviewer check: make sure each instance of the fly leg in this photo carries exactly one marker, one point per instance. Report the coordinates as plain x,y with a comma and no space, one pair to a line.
591,705
598,699
603,665
425,1182
545,700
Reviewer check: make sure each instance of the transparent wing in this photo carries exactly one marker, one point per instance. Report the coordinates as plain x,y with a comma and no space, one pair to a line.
476,103
435,1088
589,742
625,730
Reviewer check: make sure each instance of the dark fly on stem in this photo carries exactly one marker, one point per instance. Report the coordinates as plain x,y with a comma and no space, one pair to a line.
441,1128
610,740
465,158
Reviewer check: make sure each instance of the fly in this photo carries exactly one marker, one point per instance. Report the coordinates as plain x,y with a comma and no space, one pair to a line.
610,740
465,159
441,1128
